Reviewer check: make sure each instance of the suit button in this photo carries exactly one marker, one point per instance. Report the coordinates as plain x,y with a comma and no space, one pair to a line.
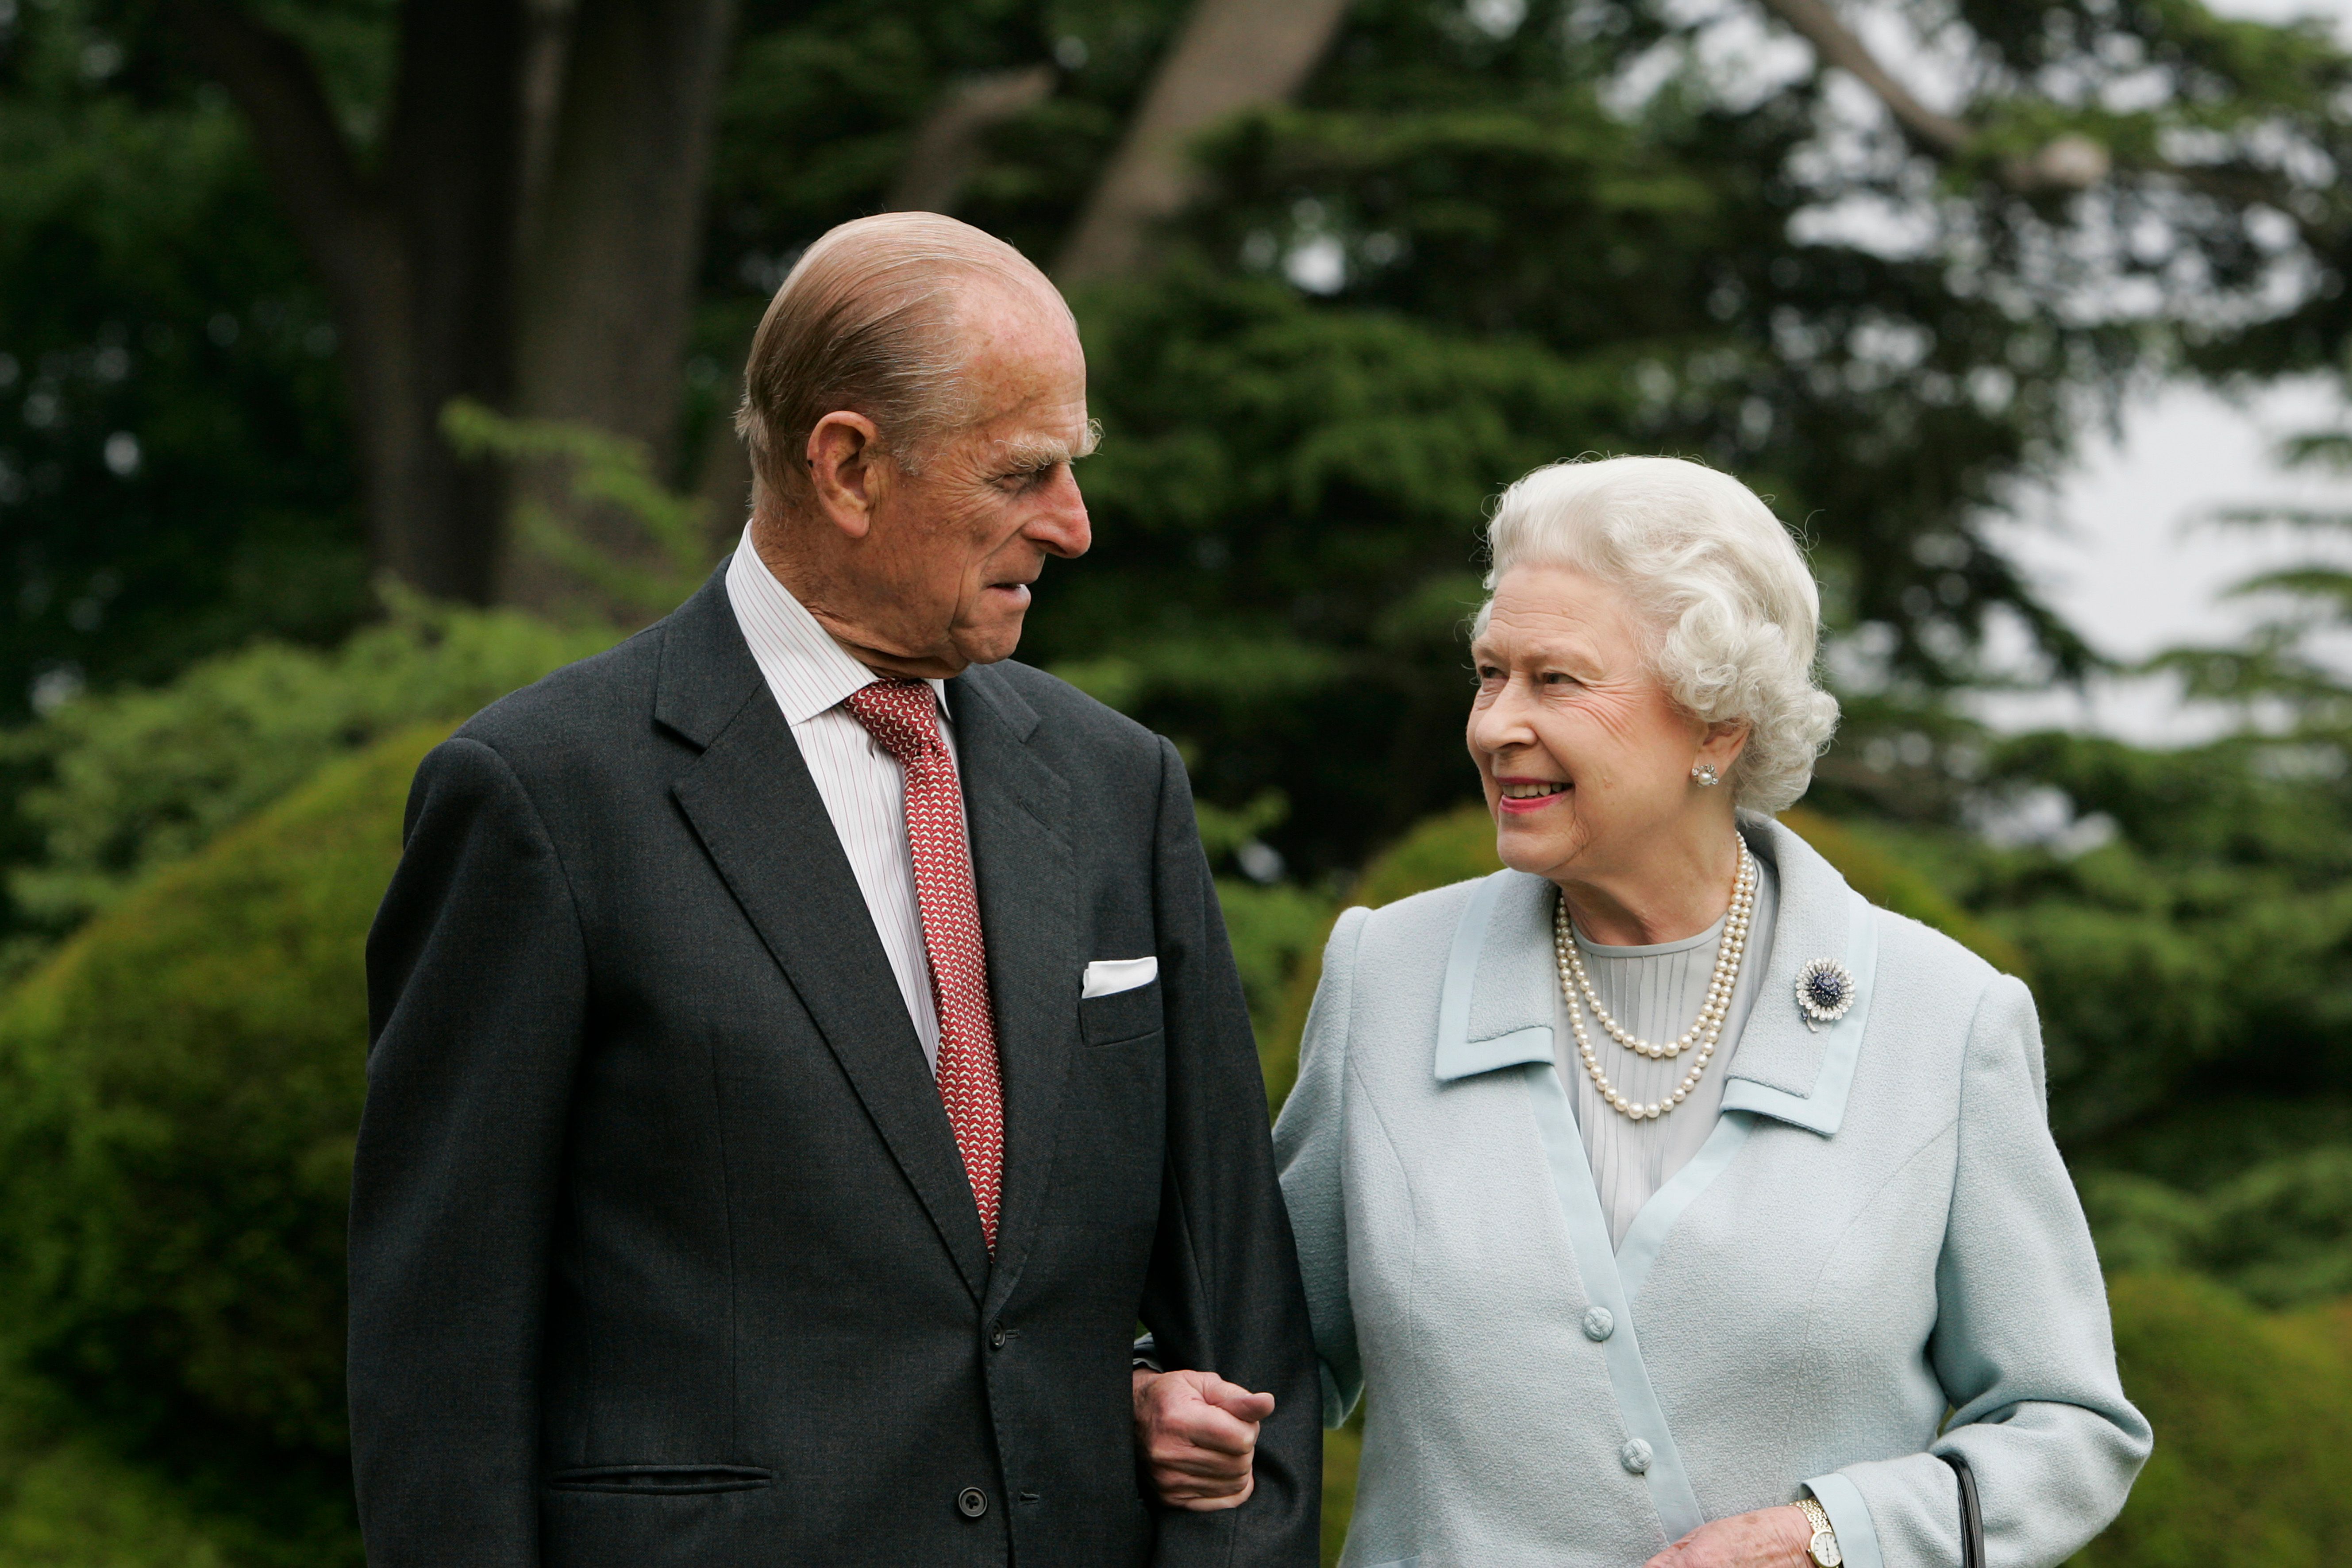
971,1502
1635,1456
996,1339
1598,1323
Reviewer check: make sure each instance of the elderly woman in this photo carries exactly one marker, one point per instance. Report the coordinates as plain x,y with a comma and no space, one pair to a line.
1668,1201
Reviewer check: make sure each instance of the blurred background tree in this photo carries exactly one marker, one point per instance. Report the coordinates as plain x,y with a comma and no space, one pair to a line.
361,359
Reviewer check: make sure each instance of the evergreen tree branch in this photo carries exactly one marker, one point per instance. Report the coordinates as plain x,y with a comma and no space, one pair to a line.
2067,164
1837,44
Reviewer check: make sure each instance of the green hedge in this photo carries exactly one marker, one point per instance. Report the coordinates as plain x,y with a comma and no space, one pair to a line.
66,1501
178,1090
111,788
2253,1430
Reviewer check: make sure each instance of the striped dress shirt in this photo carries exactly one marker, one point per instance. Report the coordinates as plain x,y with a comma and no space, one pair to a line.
862,785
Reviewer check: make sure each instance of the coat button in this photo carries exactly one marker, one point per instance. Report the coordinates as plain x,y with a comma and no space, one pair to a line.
1598,1323
1635,1456
971,1502
996,1339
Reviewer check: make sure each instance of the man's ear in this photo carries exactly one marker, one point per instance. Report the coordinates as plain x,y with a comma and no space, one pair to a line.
844,460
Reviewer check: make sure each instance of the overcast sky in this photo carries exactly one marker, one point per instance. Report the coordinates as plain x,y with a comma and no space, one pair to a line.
2123,547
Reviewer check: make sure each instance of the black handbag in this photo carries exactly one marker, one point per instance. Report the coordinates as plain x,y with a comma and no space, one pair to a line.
1973,1551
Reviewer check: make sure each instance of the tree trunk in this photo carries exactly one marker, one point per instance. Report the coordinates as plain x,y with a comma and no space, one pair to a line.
528,250
452,176
1232,55
608,275
417,260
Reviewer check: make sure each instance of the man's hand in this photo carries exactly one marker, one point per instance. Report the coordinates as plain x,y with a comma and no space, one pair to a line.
1197,1433
1769,1538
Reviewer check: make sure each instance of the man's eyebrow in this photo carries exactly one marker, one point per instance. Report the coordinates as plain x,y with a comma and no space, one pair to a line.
1029,453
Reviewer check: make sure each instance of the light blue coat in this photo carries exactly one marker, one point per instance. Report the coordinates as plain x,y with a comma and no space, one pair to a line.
1878,1230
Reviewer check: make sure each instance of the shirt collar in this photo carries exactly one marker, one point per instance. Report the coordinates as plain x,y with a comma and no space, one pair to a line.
805,668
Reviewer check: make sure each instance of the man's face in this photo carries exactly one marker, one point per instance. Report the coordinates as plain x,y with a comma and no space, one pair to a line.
941,578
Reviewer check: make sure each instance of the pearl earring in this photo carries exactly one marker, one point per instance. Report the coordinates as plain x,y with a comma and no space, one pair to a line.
1706,776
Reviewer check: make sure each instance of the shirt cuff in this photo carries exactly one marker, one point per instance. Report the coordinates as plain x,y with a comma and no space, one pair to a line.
1857,1539
1146,1353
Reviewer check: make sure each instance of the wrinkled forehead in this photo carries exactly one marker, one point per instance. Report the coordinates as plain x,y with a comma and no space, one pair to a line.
1540,608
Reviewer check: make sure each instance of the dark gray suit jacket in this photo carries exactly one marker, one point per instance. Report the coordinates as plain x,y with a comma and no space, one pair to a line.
662,1251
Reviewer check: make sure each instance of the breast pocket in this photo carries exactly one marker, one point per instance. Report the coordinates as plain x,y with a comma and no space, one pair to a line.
1121,1016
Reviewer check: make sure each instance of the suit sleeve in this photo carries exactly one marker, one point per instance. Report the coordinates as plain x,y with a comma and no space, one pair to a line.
1307,1144
1223,1293
476,990
2021,1344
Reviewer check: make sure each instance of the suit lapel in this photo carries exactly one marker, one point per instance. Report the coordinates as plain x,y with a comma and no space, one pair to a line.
1027,882
756,809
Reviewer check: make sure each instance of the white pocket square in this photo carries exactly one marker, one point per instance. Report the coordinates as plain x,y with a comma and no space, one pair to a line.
1108,976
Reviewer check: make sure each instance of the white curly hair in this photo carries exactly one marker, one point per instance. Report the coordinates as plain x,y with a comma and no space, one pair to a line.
1732,612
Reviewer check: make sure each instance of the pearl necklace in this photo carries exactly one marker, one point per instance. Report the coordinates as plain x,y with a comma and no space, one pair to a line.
1705,1030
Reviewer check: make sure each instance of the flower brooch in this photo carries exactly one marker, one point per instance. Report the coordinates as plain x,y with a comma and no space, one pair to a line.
1825,992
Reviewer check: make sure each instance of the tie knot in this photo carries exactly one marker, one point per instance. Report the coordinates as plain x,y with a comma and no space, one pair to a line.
901,715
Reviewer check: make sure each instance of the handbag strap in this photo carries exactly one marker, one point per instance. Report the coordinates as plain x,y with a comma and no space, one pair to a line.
1972,1541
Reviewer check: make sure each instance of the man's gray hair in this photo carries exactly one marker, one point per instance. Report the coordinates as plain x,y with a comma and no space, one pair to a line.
866,321
1731,614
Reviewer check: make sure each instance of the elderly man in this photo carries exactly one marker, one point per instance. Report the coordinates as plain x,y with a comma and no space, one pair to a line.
805,1043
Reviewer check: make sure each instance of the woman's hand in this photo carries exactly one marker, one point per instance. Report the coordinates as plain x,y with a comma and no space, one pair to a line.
1769,1538
1198,1434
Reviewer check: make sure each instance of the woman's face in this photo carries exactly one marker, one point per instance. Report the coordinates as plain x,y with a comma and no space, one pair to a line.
1585,758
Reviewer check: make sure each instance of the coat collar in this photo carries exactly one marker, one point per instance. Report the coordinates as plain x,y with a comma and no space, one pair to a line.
1496,1008
707,672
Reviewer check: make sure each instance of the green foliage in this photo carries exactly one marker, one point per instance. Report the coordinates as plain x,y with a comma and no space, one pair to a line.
2280,1232
2253,1430
600,471
67,1502
1470,249
174,468
825,103
1476,242
1880,874
123,784
179,1091
1275,930
2203,949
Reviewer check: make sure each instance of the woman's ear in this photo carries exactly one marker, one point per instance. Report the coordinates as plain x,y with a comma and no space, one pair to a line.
1721,745
844,460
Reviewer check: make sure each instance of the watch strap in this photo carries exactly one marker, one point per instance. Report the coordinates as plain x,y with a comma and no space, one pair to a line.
1824,1546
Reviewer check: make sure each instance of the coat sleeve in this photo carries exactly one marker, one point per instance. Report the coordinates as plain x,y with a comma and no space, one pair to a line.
1224,1294
1307,1144
477,987
2022,1343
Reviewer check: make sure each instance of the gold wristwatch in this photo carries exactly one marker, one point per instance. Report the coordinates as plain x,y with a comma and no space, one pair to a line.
1823,1547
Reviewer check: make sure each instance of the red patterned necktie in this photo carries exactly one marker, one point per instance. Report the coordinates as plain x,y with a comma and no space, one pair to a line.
903,717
